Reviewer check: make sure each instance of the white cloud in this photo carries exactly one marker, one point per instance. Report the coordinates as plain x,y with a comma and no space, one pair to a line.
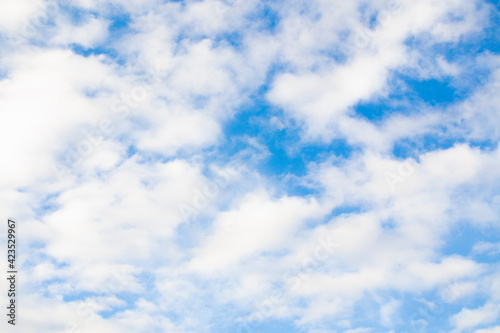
467,318
89,34
321,99
486,247
495,329
43,99
257,224
15,17
112,225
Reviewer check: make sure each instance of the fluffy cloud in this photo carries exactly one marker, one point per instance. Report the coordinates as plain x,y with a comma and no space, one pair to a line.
150,201
467,318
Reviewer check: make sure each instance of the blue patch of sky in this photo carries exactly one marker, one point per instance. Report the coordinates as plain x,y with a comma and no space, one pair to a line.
345,210
463,50
119,18
47,287
292,189
442,139
46,205
364,12
445,90
429,310
412,148
491,40
86,52
462,238
253,120
284,158
36,246
38,257
484,145
280,162
436,93
471,45
267,17
233,38
433,91
337,53
79,296
389,224
119,26
407,96
373,112
131,151
373,22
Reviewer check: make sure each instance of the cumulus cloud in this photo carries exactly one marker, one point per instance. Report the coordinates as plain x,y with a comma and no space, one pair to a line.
230,165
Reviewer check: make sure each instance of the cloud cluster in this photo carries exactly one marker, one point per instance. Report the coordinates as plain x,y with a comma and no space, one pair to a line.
133,155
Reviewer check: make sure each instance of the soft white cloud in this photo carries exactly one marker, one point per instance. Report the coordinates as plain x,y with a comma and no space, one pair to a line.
467,318
146,124
43,100
321,99
487,247
257,224
16,17
89,34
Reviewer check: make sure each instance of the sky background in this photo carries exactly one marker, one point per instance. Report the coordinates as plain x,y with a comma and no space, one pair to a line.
243,166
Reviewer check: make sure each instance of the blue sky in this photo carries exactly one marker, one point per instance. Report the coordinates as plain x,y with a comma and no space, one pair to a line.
253,166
